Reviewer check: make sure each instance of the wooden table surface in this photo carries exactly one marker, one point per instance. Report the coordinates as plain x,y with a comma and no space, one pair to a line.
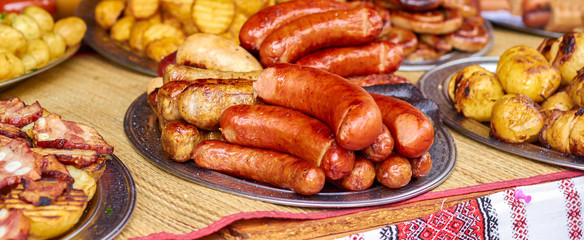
89,89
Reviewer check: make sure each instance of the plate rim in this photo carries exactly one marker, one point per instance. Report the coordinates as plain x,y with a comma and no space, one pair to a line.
519,27
441,177
538,153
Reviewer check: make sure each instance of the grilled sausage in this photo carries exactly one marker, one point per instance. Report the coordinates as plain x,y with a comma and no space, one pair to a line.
381,148
260,25
421,166
373,58
289,131
178,140
175,72
279,169
347,108
320,30
361,177
411,129
394,172
167,99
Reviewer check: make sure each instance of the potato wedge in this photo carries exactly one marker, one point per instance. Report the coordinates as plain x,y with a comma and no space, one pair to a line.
120,31
215,53
107,12
213,16
143,9
72,29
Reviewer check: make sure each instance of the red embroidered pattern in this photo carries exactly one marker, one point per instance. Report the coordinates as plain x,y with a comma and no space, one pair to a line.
517,215
573,208
462,221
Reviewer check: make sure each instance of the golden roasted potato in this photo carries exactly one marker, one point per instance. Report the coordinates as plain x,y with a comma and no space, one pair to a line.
249,8
26,25
549,48
40,51
179,9
107,12
159,48
215,53
120,31
523,70
576,89
83,181
136,40
10,66
56,43
516,119
213,16
161,30
72,29
43,18
570,56
564,132
559,101
8,19
51,220
143,9
474,90
12,40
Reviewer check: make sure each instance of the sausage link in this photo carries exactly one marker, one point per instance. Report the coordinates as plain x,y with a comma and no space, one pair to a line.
320,30
361,177
373,58
289,131
376,79
347,108
167,99
178,140
394,172
260,25
421,166
279,169
381,148
411,129
176,72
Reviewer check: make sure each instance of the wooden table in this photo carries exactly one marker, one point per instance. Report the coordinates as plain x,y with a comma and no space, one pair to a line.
89,89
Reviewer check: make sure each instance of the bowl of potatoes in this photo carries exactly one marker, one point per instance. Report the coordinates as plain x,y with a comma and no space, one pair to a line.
32,42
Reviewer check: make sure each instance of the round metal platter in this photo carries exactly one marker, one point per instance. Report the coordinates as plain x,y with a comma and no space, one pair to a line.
506,20
111,207
140,127
426,65
434,86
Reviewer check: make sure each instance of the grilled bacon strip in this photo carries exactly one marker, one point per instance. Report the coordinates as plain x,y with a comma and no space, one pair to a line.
17,162
52,132
15,224
76,157
42,192
14,112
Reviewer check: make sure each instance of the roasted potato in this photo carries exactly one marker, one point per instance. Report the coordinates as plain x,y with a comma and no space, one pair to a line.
549,48
216,53
213,16
43,18
72,29
559,101
12,40
83,181
56,43
27,26
10,66
523,70
159,31
570,56
136,39
39,50
564,132
143,9
516,119
120,31
179,9
107,12
159,48
474,90
576,89
249,8
202,104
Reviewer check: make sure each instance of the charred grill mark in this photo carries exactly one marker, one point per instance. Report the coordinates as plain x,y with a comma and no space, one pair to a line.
567,47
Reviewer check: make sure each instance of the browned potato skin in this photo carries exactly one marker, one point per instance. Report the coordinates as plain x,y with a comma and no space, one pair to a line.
570,56
564,132
474,90
421,166
523,70
361,177
559,101
516,119
202,103
576,89
394,172
549,48
178,140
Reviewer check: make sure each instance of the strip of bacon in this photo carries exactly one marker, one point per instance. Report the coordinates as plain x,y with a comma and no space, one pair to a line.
14,112
52,168
76,157
12,131
42,192
52,132
17,161
15,224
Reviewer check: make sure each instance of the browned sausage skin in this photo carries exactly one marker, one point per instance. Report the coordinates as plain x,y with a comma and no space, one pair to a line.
411,129
394,172
361,177
376,79
381,148
178,140
279,169
421,166
264,22
289,131
373,58
320,30
354,117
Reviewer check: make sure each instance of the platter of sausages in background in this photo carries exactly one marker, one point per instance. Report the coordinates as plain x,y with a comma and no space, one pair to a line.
435,85
140,125
505,19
